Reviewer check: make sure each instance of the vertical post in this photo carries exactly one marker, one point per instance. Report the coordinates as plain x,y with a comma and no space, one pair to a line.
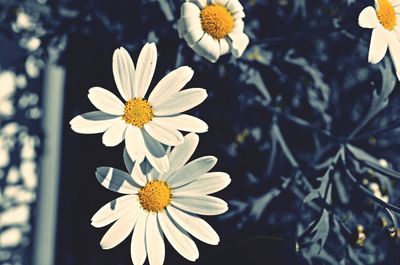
46,218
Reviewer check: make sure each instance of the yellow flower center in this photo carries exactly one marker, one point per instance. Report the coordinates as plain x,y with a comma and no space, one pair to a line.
138,112
155,196
216,21
386,14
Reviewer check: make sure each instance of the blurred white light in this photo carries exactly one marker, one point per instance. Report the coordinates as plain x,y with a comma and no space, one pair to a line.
7,84
6,108
28,148
28,172
14,216
4,155
13,175
32,67
10,129
32,44
24,21
21,81
18,194
10,237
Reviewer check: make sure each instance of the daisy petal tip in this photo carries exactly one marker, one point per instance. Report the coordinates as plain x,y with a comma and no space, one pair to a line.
368,18
214,159
73,120
373,60
214,242
94,224
104,245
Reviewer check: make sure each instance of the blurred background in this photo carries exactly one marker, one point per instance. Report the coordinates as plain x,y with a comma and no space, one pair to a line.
277,117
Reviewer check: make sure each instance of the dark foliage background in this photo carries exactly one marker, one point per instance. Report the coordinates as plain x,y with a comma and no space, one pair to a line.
302,123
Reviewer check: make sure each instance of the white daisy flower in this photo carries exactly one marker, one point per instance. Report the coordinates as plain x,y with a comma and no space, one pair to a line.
157,205
144,124
384,20
213,27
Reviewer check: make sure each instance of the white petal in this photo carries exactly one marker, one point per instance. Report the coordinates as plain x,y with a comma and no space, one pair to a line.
154,241
92,122
178,238
106,101
145,68
190,24
205,184
239,42
138,243
165,134
155,153
208,48
138,175
200,3
221,2
114,210
368,18
116,180
183,122
394,48
115,134
184,100
190,9
234,6
239,15
128,161
192,37
182,153
223,46
124,72
378,45
239,25
194,225
192,171
135,143
119,231
153,175
171,84
200,204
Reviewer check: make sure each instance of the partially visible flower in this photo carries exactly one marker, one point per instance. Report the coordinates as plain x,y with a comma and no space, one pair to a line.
144,124
33,66
384,20
376,190
7,88
162,204
31,44
24,21
213,28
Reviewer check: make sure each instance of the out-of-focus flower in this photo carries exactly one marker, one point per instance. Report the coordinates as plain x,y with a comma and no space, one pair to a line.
145,124
7,88
7,84
213,28
375,188
24,21
33,66
21,81
383,163
30,44
11,237
360,236
155,204
384,20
